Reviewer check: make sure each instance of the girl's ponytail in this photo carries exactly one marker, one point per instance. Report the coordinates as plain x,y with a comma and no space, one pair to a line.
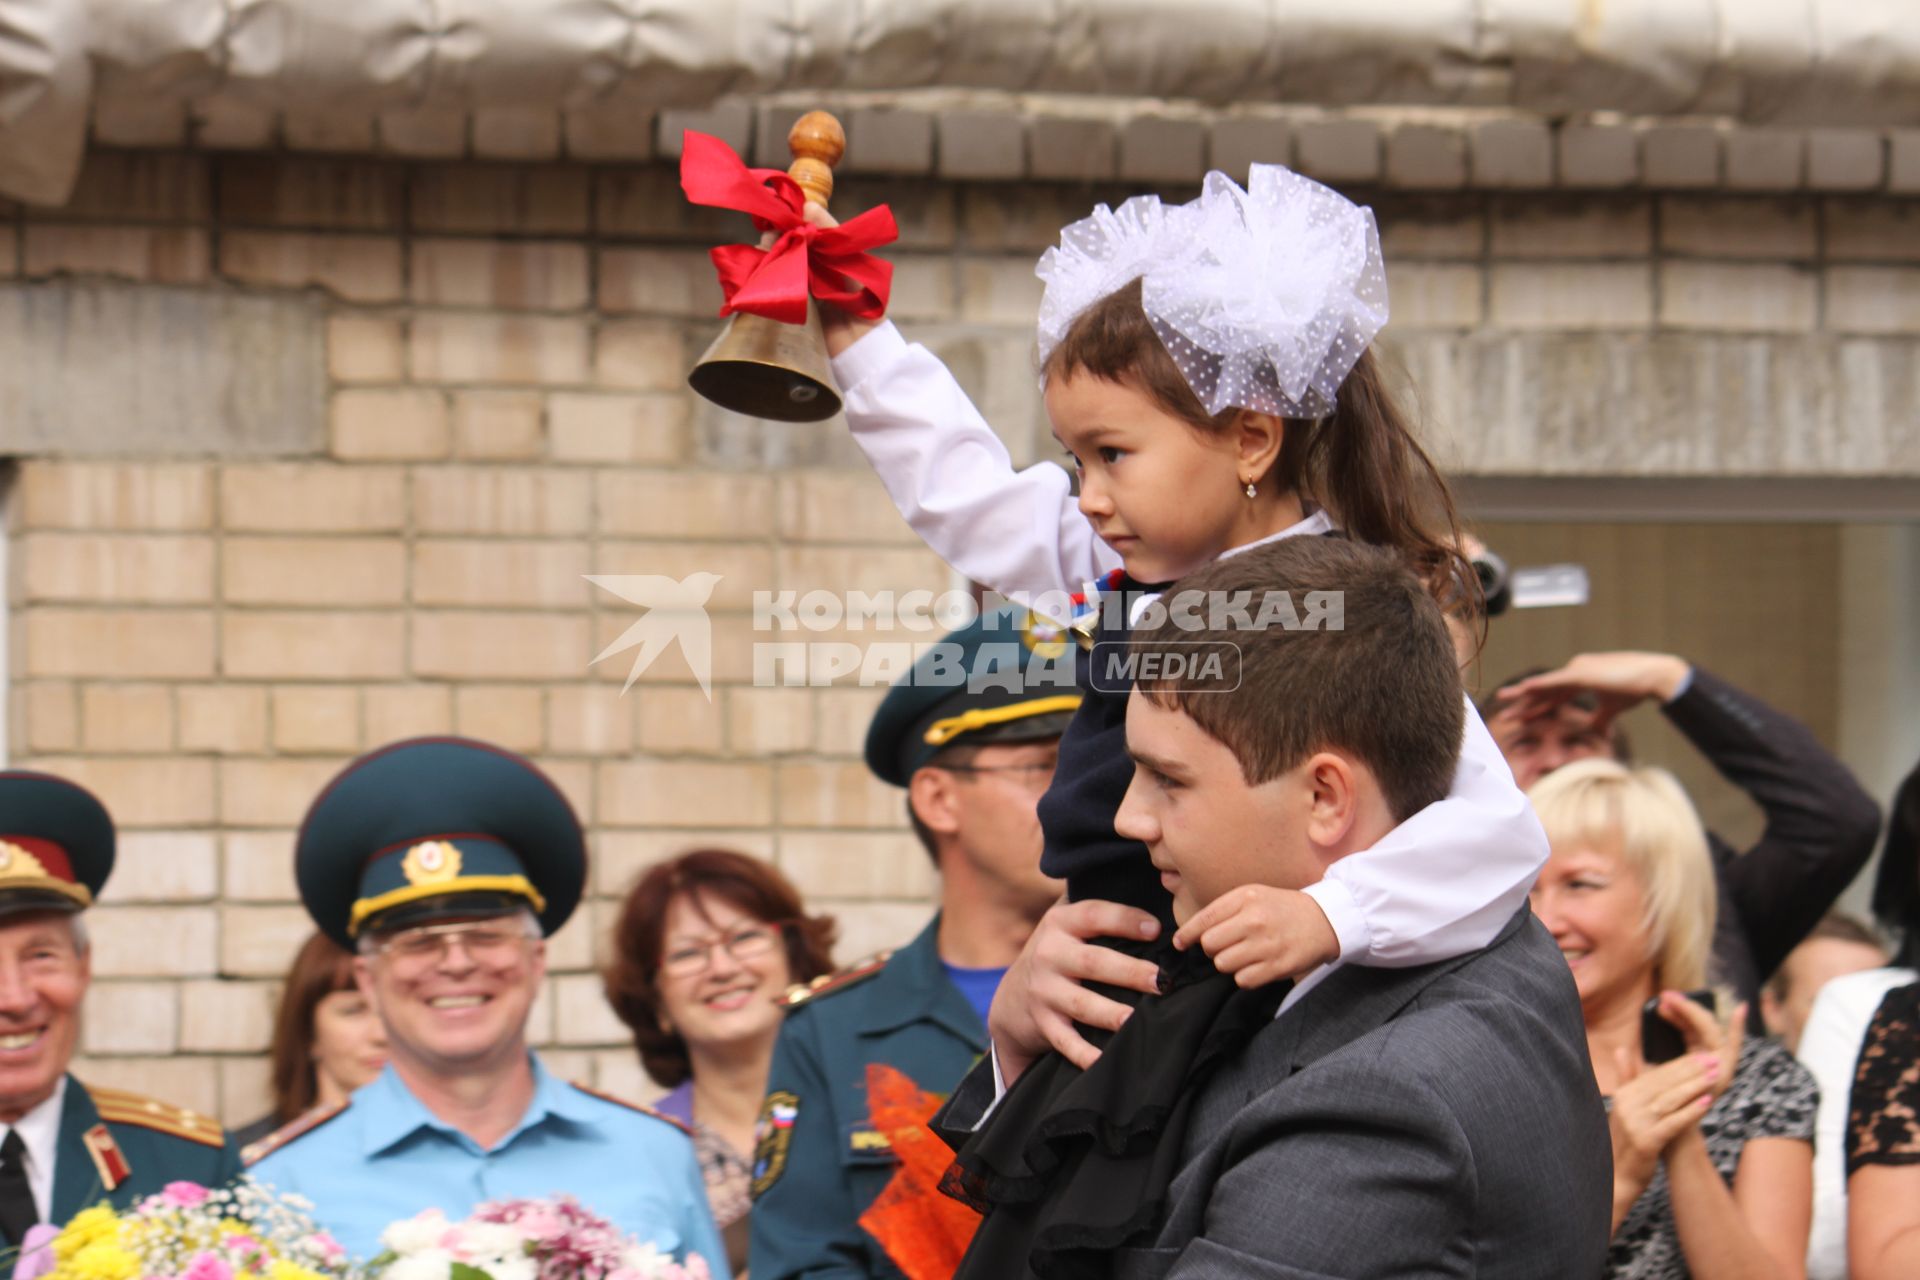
1366,466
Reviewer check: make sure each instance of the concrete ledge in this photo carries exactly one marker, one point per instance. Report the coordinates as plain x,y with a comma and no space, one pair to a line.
98,370
1631,404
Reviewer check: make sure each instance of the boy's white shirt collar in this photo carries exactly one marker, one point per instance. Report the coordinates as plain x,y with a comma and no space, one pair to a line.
1318,522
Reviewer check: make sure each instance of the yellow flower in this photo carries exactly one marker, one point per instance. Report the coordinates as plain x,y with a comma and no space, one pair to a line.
103,1260
89,1227
284,1270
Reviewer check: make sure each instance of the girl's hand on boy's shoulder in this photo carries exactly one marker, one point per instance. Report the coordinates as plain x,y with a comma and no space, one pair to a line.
1261,934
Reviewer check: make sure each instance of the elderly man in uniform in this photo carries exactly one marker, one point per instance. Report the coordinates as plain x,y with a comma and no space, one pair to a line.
67,1145
971,734
444,863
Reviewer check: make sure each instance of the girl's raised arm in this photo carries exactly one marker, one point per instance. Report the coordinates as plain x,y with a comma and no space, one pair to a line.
1017,532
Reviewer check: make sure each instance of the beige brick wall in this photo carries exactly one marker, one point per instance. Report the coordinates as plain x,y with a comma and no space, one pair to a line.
206,640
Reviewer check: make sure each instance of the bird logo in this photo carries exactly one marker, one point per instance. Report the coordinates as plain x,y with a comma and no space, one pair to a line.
675,610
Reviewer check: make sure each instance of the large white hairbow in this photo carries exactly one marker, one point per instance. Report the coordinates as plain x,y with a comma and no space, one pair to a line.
1264,297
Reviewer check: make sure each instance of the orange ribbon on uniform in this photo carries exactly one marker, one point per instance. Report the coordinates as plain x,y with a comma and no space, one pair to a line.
923,1231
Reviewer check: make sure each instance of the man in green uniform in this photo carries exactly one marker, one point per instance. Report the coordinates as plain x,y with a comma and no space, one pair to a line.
63,1145
971,734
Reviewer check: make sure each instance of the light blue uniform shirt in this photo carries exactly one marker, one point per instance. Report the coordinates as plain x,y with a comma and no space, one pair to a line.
386,1157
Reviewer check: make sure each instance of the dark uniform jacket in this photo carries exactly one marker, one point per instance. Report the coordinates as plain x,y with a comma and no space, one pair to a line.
1092,777
819,1163
1820,827
118,1147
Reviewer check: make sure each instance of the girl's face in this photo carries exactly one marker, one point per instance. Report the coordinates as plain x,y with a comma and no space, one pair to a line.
349,1046
1168,498
1595,906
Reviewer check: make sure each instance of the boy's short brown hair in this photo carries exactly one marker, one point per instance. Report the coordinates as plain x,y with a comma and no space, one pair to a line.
1381,686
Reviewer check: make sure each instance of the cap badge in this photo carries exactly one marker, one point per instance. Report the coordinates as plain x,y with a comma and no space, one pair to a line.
431,862
15,861
1043,636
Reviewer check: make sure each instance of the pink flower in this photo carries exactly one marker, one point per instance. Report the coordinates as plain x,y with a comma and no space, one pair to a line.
182,1195
208,1266
36,1252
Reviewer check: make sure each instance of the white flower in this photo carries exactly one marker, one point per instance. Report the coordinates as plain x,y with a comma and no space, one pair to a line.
417,1234
643,1258
431,1264
483,1241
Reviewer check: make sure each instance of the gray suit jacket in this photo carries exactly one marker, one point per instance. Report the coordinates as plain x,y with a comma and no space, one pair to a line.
1436,1121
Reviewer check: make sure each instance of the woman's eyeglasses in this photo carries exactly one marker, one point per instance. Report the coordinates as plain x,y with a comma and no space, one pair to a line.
748,942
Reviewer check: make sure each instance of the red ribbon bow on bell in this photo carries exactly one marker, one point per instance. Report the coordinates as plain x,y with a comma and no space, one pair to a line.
831,263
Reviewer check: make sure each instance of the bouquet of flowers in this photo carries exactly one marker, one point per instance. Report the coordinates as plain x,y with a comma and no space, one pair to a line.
550,1239
187,1232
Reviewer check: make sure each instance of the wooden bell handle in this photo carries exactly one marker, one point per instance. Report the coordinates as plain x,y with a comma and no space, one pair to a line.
817,142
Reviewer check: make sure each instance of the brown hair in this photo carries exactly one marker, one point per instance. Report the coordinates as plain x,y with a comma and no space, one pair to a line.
322,968
1380,684
1835,926
1363,464
1494,703
751,885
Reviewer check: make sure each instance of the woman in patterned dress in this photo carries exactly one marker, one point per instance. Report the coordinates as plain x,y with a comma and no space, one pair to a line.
1713,1151
706,944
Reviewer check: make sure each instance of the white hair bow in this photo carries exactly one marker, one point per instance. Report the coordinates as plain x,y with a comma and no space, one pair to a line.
1265,297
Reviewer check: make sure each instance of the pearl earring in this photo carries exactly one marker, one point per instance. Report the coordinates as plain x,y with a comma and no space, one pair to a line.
1251,491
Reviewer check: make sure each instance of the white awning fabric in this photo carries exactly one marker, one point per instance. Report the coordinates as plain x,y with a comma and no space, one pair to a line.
1789,62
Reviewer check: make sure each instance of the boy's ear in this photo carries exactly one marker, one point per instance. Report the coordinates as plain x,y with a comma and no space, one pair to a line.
1335,802
1258,437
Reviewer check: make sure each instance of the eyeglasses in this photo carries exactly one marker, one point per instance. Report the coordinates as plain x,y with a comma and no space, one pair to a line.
1031,774
489,944
748,942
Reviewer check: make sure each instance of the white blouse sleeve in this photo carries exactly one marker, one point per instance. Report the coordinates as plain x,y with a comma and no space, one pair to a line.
1018,532
1446,880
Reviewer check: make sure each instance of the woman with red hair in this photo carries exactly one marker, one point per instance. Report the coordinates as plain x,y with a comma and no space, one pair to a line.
705,946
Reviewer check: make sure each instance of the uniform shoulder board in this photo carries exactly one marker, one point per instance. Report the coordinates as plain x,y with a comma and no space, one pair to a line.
305,1123
641,1107
117,1106
828,983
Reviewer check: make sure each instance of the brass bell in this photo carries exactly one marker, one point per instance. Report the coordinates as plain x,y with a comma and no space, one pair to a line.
765,368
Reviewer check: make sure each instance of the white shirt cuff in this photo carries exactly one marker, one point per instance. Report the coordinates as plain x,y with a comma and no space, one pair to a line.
999,1088
1343,913
870,354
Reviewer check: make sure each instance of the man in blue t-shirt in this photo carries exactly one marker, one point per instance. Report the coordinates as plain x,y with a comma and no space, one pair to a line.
971,734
